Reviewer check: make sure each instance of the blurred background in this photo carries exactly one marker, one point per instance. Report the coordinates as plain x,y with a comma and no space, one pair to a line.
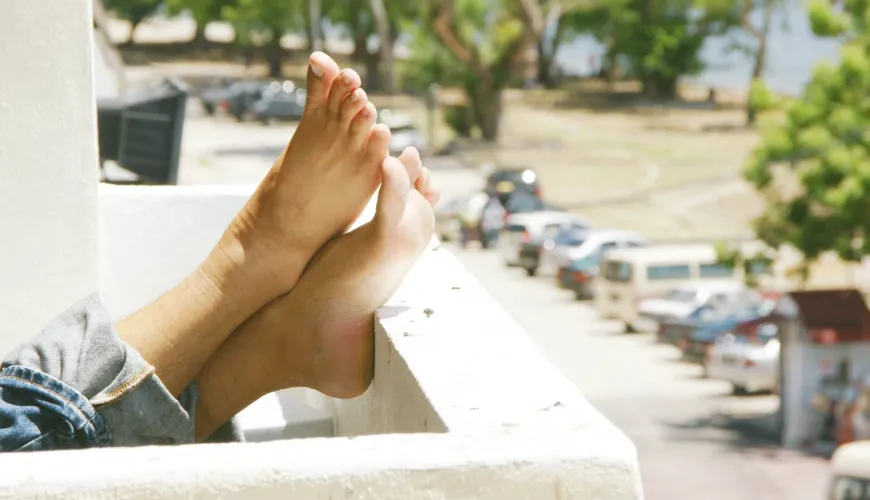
670,196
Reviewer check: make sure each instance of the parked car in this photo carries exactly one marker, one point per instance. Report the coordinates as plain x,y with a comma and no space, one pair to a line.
850,472
278,104
707,327
747,357
211,97
629,275
236,99
560,252
565,233
680,302
508,182
714,312
522,228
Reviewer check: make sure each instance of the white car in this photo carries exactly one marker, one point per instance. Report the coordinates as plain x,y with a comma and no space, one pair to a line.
747,358
850,472
529,227
681,301
564,249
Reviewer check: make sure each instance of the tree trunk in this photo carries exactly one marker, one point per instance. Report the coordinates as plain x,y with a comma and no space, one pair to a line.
275,55
313,25
133,24
385,42
374,77
659,87
199,35
547,58
760,57
486,108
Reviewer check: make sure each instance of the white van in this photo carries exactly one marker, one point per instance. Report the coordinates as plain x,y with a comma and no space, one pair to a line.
633,274
850,472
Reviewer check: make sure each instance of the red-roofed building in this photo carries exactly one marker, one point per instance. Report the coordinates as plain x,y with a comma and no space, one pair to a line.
825,345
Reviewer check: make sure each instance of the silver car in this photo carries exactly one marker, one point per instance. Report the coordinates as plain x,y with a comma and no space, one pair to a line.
528,228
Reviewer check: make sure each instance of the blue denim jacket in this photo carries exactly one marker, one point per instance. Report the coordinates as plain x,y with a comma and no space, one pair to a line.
77,385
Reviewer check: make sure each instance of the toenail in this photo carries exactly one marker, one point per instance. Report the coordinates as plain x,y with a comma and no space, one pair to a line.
346,78
356,96
316,68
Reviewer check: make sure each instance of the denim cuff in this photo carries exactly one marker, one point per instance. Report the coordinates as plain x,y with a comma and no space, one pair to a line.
39,412
82,350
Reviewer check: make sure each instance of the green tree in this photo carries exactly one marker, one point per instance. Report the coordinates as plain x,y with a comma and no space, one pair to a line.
202,11
480,45
268,20
562,26
662,39
812,165
134,11
360,20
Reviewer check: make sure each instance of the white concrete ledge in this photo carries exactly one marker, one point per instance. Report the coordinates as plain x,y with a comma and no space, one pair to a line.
464,405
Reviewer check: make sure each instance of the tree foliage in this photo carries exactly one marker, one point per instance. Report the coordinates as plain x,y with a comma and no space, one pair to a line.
268,20
134,11
662,39
813,165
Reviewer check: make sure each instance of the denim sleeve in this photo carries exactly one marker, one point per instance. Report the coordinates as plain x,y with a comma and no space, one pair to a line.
78,385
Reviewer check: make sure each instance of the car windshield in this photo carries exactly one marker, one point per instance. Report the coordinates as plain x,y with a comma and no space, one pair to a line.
681,295
570,237
587,263
524,203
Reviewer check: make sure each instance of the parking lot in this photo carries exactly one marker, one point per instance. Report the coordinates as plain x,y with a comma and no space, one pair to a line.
694,438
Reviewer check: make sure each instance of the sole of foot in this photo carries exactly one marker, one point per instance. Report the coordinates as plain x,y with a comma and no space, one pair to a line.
317,187
332,307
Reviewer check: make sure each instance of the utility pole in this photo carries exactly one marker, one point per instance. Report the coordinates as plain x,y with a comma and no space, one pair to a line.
316,24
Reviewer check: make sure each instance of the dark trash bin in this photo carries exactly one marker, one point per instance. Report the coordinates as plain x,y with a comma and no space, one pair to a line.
142,132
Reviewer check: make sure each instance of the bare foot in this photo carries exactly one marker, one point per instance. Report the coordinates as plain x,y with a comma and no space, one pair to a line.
332,307
317,187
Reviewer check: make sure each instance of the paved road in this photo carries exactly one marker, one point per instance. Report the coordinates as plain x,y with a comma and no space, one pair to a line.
695,440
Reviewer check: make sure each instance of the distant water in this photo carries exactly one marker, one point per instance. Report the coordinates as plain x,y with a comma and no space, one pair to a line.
793,51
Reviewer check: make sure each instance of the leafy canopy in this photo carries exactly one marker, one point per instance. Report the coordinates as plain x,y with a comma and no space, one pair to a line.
813,165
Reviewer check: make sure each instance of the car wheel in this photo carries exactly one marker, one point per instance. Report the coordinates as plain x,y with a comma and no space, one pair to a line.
531,271
629,328
738,390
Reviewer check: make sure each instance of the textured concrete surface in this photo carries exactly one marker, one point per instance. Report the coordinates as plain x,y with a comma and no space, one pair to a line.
48,164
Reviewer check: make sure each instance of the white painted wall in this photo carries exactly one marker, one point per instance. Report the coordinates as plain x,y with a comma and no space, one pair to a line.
802,381
48,163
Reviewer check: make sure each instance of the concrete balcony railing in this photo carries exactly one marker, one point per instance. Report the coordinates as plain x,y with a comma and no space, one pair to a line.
463,404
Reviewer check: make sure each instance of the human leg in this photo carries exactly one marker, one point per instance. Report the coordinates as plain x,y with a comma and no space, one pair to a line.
316,188
320,335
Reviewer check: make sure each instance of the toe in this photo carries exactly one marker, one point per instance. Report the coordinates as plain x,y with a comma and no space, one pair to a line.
410,157
361,125
379,143
393,195
352,105
346,82
322,70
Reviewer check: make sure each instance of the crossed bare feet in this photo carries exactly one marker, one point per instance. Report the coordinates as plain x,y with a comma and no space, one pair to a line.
318,186
320,335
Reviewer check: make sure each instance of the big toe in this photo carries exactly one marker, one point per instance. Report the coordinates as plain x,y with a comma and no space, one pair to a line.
322,71
410,158
393,195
